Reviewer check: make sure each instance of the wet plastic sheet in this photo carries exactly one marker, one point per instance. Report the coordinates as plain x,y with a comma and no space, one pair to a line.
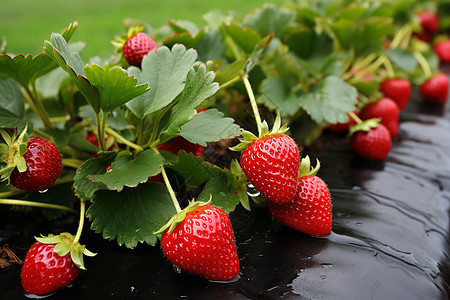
390,236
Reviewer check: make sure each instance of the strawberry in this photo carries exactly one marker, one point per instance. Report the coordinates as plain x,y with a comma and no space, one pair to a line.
370,139
43,166
270,161
398,89
310,212
52,263
429,22
442,50
435,89
92,138
136,47
386,109
180,143
200,240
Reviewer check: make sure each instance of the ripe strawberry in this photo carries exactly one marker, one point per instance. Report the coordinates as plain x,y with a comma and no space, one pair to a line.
442,50
386,109
180,143
44,165
310,212
429,22
398,89
202,243
47,268
373,142
271,164
435,89
136,47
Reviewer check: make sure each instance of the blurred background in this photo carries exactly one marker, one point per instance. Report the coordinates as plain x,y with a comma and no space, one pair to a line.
25,24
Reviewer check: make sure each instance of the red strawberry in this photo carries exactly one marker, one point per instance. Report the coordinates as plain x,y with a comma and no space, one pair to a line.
202,243
47,269
435,89
93,139
429,22
442,50
342,127
373,142
136,47
181,143
386,109
310,212
44,165
398,89
271,163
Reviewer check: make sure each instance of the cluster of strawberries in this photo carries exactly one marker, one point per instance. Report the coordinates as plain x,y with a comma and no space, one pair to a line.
375,124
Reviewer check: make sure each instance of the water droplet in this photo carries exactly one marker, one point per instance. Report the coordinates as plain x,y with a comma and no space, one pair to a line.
235,279
251,191
132,289
43,191
177,269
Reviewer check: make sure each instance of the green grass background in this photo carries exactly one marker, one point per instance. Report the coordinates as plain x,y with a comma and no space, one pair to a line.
27,23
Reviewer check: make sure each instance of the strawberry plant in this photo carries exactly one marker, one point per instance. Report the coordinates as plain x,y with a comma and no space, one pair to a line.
127,136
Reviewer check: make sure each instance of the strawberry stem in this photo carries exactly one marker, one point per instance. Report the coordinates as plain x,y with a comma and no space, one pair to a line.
251,96
428,72
123,140
35,204
230,82
81,223
355,117
402,37
36,105
169,186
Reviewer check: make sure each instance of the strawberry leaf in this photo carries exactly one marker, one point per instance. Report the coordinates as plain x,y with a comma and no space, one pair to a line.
277,95
209,126
270,19
329,101
114,85
403,59
186,38
199,86
11,99
221,195
84,187
132,215
165,72
58,194
71,62
244,38
129,172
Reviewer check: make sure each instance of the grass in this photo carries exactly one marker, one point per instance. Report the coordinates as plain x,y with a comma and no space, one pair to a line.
27,23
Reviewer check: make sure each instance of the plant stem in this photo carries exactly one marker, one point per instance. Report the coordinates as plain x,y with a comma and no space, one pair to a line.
36,204
354,117
169,186
123,140
230,82
81,223
251,96
428,72
41,109
72,162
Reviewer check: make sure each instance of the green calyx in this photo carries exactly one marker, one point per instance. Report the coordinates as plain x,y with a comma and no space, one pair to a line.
364,125
306,169
65,244
248,137
180,216
12,152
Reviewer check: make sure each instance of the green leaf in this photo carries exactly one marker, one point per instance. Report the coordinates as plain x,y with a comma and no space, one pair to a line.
209,126
186,38
403,59
194,169
221,195
84,187
71,62
211,46
199,86
60,194
243,37
165,72
270,19
132,215
114,85
231,71
11,98
129,172
278,96
329,101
